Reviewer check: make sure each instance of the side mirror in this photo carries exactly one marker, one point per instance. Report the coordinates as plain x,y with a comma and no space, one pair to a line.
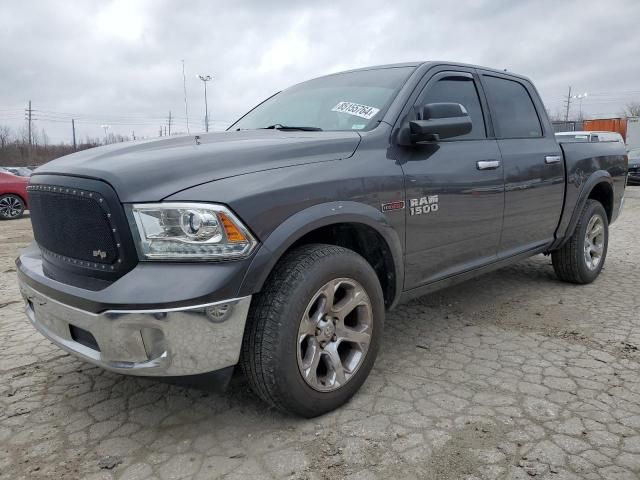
439,121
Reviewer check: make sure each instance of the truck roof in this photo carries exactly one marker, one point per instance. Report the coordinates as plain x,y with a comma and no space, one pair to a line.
430,63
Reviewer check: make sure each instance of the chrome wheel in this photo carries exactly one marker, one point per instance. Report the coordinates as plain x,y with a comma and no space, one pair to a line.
594,242
334,334
11,207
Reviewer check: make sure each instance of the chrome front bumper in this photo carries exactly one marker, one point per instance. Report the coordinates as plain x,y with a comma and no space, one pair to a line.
168,342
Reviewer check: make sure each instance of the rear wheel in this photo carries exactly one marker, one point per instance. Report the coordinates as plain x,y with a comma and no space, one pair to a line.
313,332
581,259
11,207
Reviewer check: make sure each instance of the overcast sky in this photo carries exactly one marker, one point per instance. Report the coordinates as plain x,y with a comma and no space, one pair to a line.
118,62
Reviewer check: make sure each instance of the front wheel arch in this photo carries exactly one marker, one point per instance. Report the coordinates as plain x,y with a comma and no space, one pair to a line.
313,224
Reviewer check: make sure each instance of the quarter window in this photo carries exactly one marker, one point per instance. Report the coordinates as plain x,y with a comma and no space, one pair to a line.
512,110
462,90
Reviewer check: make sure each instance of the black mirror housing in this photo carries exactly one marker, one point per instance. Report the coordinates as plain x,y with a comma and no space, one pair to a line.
439,121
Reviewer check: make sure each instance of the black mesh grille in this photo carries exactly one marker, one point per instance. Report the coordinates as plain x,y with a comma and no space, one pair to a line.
72,225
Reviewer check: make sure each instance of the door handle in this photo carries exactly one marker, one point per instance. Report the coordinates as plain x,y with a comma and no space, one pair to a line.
552,159
487,164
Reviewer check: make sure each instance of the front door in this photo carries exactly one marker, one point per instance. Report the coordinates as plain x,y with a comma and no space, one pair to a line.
454,190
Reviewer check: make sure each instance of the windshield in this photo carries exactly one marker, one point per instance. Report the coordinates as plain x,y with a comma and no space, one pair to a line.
345,101
634,155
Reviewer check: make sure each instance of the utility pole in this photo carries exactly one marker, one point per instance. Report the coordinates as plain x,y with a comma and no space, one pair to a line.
73,128
205,79
29,120
165,130
566,115
133,134
160,130
169,122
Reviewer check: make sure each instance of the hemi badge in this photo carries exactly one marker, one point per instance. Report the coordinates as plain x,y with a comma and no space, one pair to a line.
397,205
100,253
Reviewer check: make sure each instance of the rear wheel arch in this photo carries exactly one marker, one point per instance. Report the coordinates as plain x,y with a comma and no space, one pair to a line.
599,187
352,225
603,193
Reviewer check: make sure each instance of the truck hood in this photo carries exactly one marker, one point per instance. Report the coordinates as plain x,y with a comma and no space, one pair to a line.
151,170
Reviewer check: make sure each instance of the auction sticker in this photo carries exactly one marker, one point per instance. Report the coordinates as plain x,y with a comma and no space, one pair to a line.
350,108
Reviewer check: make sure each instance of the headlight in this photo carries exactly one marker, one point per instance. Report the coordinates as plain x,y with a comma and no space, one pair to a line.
189,231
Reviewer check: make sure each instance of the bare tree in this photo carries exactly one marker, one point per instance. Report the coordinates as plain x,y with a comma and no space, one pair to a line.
23,135
45,138
35,137
632,109
5,136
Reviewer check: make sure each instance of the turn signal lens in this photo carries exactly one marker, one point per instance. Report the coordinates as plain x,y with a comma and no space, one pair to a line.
233,233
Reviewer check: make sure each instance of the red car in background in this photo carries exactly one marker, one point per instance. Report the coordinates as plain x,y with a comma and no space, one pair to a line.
13,196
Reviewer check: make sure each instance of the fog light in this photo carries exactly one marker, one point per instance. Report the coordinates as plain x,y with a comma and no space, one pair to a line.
218,313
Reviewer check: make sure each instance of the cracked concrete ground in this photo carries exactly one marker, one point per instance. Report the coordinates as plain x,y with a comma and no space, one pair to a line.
511,375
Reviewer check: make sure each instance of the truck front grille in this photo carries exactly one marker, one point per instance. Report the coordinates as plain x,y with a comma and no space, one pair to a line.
81,229
73,224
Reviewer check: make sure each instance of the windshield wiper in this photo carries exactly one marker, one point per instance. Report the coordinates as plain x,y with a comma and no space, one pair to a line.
279,126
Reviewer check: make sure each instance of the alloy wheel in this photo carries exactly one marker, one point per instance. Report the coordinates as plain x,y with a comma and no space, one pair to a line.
594,242
10,207
334,334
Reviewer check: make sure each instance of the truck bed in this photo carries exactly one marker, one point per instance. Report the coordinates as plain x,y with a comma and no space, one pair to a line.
591,160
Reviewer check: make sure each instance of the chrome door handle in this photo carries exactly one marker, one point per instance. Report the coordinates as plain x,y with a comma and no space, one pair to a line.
552,159
487,164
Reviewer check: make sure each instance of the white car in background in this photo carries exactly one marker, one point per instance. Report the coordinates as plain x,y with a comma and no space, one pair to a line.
583,136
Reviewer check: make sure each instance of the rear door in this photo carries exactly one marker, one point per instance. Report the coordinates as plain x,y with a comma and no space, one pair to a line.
532,161
454,188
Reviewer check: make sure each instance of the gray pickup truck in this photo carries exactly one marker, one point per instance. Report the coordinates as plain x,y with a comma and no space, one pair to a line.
279,244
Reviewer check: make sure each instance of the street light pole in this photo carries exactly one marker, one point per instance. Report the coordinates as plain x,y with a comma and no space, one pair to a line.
205,79
580,97
106,138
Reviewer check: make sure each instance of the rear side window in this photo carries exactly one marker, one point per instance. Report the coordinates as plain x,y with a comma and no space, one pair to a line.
460,90
512,109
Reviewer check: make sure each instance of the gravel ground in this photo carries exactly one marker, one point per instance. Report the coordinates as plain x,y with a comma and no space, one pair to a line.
511,375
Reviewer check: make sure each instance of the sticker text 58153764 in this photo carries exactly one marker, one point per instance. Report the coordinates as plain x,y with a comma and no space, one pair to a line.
350,108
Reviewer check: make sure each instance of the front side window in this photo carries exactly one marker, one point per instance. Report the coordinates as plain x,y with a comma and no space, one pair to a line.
512,109
462,90
344,101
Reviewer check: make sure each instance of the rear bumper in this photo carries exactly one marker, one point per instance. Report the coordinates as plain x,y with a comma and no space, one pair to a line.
174,342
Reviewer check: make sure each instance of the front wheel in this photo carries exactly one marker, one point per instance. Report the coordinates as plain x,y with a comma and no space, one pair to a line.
582,257
313,332
11,207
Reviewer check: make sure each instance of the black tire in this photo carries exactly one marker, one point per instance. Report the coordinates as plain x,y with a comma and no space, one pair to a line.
269,356
11,207
569,261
